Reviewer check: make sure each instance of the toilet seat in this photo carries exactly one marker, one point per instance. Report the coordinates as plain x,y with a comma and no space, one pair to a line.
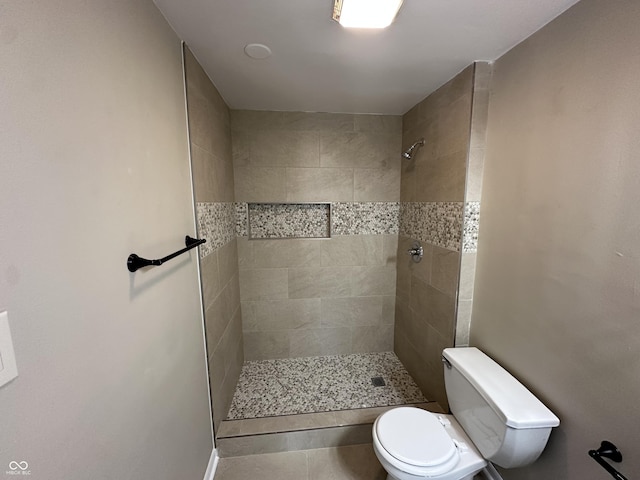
418,440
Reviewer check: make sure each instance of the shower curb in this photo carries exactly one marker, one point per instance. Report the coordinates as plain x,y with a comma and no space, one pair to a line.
302,432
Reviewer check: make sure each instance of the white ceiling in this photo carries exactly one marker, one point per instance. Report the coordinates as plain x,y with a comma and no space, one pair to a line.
319,66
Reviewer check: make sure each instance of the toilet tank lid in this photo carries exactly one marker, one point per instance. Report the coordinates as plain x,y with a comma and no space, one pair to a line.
511,400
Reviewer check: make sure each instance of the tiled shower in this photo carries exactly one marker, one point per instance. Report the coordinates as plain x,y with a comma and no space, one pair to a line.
308,218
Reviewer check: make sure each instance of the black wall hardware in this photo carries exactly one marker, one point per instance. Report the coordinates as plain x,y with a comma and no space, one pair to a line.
134,262
610,451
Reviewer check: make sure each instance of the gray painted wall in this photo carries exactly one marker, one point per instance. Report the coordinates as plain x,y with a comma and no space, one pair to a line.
557,292
94,166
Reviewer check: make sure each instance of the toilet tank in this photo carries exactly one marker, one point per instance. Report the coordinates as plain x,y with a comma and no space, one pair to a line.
506,422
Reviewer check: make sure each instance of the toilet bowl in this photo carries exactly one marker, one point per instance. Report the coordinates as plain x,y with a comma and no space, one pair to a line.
411,444
494,418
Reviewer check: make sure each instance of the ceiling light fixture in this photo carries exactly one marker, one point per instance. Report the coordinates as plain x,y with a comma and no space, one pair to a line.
365,13
257,51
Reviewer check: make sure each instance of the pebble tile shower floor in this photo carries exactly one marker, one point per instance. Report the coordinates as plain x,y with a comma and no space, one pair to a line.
292,386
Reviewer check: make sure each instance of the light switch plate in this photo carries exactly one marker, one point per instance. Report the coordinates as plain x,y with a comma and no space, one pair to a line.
8,367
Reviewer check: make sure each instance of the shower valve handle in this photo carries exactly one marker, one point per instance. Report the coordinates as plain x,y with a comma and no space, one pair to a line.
416,252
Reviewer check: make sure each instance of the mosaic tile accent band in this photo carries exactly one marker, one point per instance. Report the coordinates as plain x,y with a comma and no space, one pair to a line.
471,224
216,223
438,223
291,386
289,220
242,219
347,218
367,218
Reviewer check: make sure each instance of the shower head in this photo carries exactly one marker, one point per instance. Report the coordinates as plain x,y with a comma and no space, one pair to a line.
408,153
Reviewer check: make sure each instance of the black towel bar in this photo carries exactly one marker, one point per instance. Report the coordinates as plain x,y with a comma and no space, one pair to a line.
610,451
134,262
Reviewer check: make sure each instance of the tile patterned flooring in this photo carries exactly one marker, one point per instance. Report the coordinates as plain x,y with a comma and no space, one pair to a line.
269,388
355,462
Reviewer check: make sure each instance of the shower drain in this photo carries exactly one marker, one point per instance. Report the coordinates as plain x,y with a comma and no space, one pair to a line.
378,381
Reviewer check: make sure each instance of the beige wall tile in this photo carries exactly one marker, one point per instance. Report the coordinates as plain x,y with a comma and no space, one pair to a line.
442,178
351,250
351,311
450,92
474,175
240,148
411,118
232,291
201,119
208,129
242,458
415,327
199,84
372,339
263,284
284,148
404,266
320,282
202,171
249,316
454,124
275,147
433,305
408,181
264,345
216,368
303,421
389,249
379,280
387,124
320,341
291,252
228,261
388,309
252,120
424,267
245,252
288,314
260,184
318,121
213,177
415,364
359,150
463,323
359,416
217,317
436,174
210,277
467,275
479,117
224,180
319,184
377,185
326,437
445,270
234,343
221,397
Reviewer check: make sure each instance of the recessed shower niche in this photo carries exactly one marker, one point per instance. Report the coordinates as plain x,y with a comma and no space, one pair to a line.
289,220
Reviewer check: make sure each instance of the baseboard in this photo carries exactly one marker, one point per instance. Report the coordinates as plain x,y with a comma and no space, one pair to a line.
491,473
213,464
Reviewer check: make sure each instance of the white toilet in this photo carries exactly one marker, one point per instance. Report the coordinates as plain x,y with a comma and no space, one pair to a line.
495,418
